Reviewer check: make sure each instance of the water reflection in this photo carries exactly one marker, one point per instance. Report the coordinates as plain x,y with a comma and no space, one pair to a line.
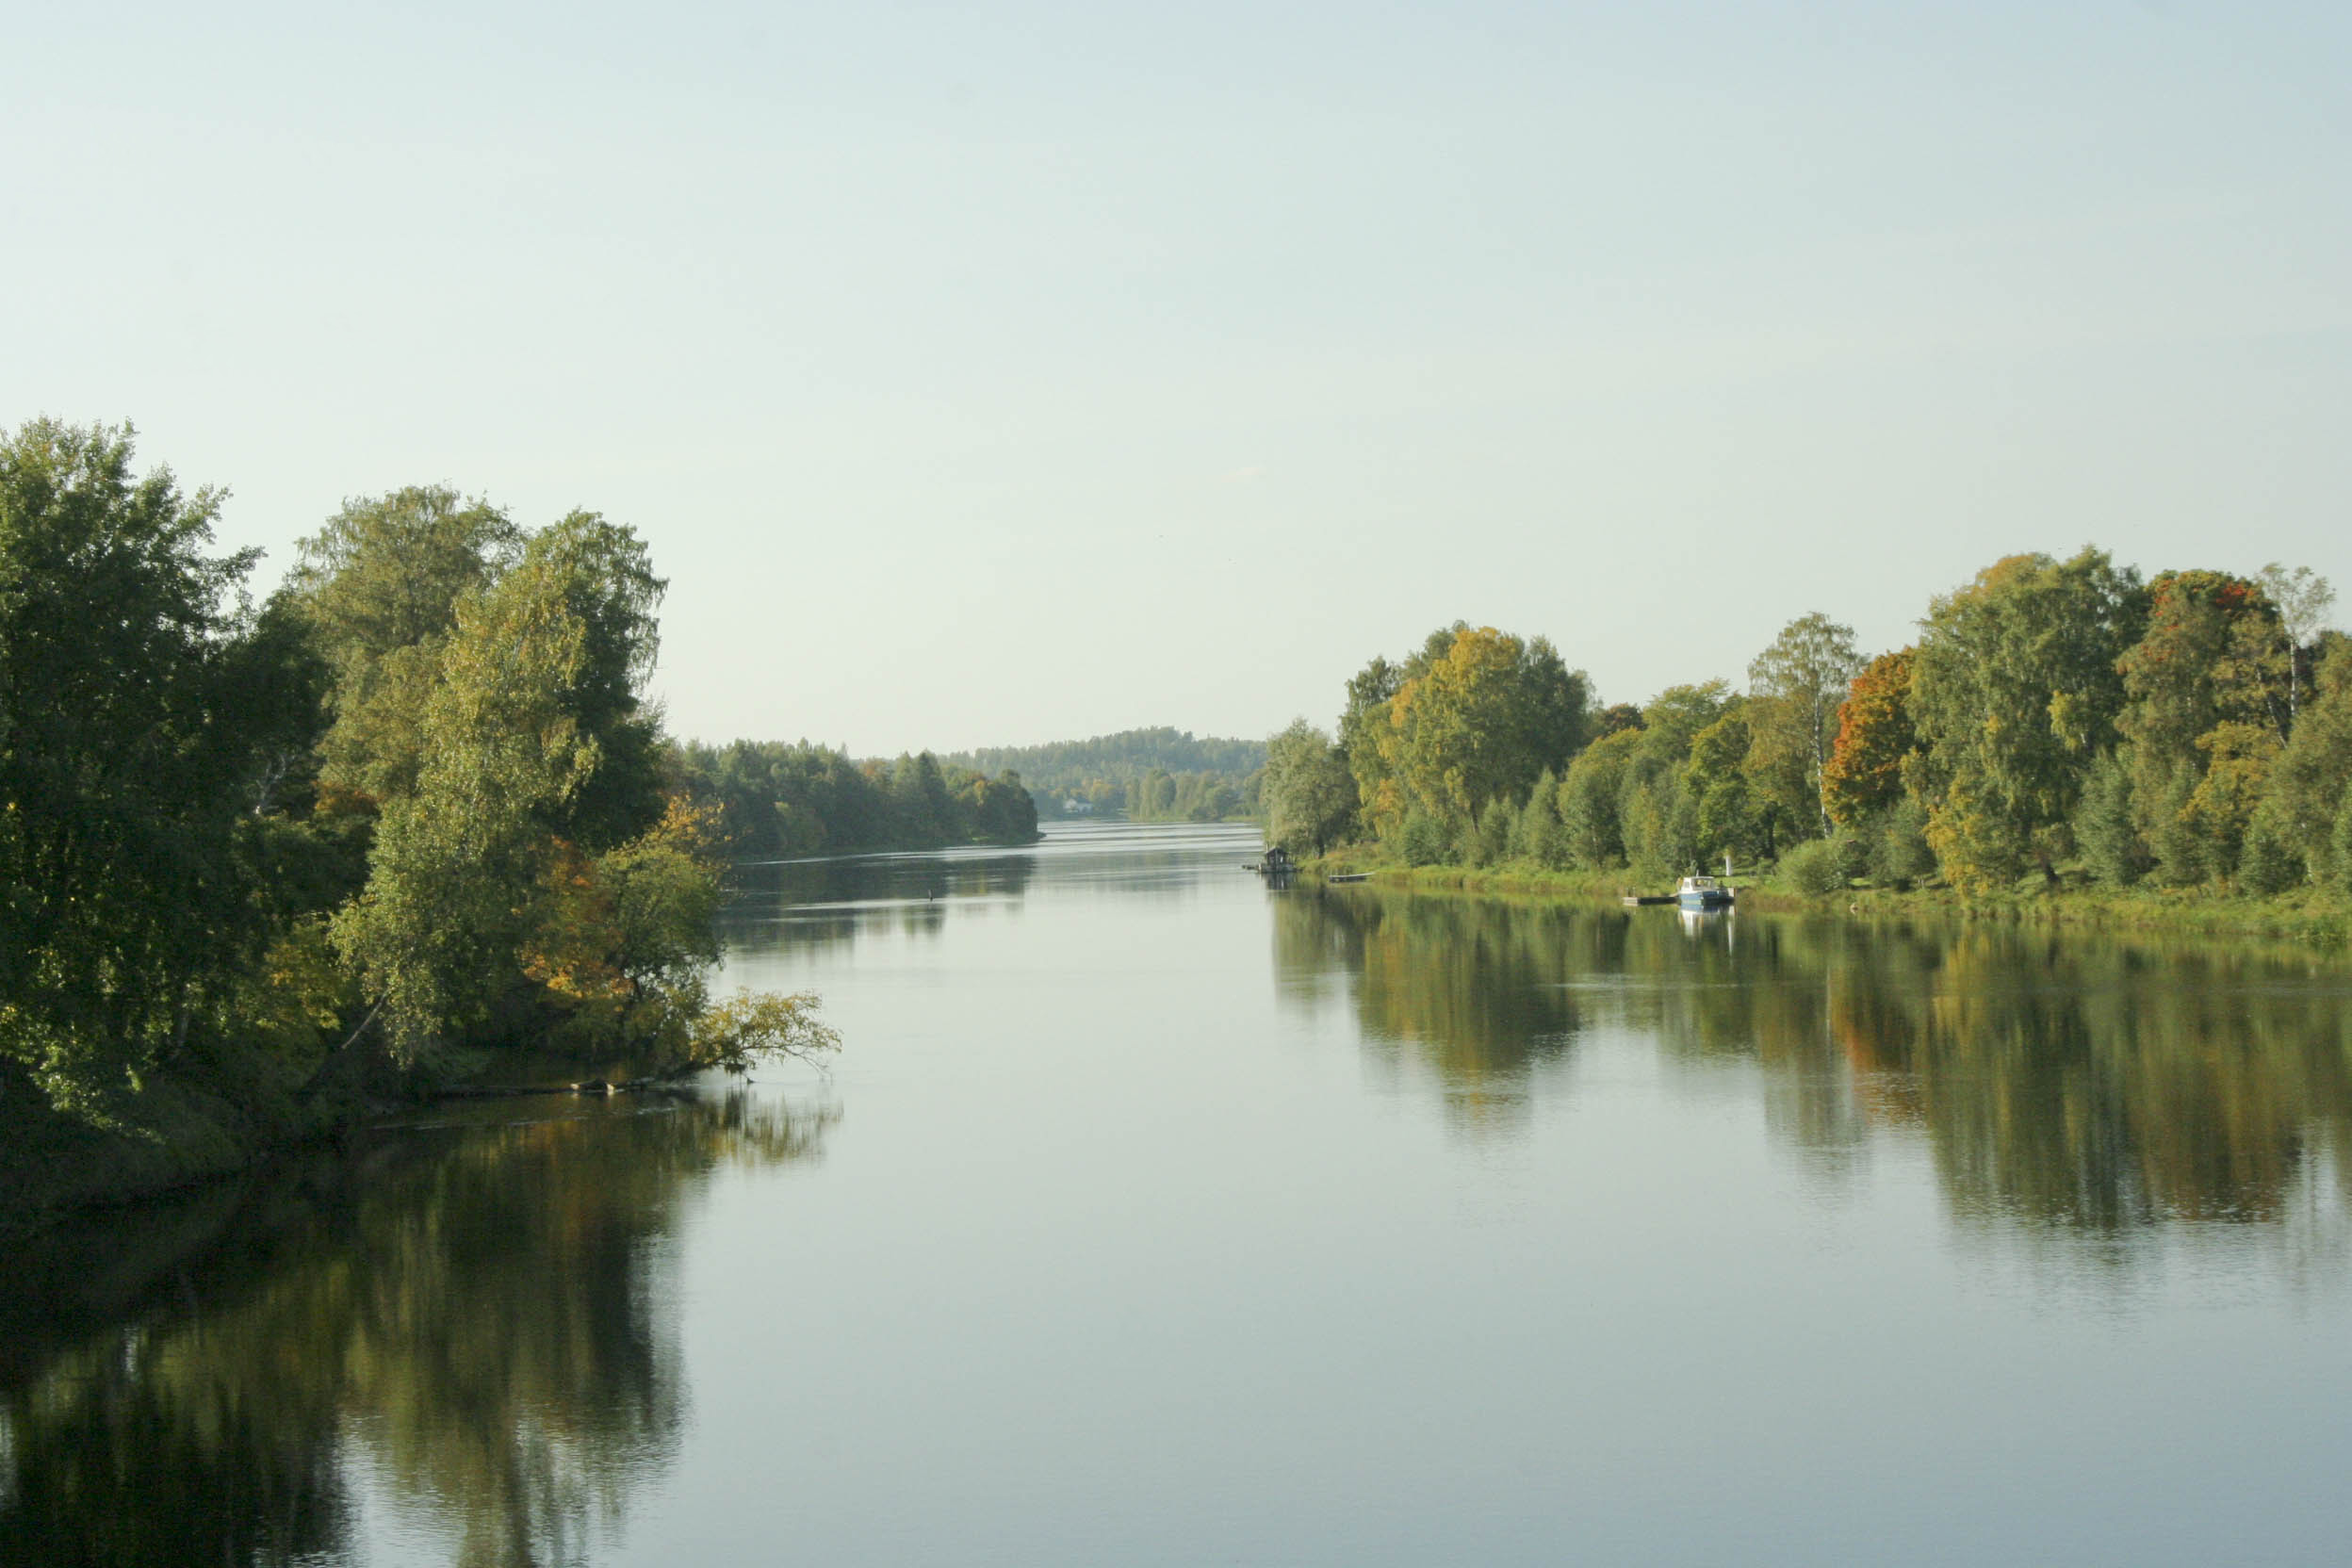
831,903
2090,1081
481,1315
785,905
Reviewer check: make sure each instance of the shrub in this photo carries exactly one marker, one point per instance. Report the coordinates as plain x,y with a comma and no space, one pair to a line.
1422,838
1814,868
1901,855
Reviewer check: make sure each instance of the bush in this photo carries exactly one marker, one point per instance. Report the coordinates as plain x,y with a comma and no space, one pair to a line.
1901,855
1854,845
1814,868
1422,838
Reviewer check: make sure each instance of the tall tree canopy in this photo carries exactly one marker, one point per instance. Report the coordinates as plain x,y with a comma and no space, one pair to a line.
2015,690
143,705
380,584
1477,720
1796,686
1308,795
1864,773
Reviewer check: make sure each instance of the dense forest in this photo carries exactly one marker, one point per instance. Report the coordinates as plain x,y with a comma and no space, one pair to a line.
1158,775
2057,723
407,814
777,800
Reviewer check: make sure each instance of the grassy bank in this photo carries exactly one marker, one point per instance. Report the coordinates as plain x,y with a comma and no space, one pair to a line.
2313,917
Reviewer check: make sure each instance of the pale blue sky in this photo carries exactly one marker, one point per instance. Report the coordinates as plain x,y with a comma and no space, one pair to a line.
976,372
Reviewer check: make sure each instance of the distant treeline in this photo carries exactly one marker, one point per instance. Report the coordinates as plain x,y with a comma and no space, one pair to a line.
2063,721
1158,775
260,860
779,800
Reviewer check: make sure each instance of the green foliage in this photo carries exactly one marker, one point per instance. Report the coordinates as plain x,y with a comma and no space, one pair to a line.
1816,867
752,1026
2051,709
2268,864
142,751
2313,774
2341,845
1535,832
1159,775
1492,843
1476,716
1307,793
1798,685
2014,691
1421,838
1899,852
419,787
779,801
2104,831
1592,832
379,585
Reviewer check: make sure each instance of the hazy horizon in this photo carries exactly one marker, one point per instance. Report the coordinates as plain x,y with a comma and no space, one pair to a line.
985,378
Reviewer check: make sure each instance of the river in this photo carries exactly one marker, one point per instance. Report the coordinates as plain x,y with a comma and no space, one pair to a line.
1152,1216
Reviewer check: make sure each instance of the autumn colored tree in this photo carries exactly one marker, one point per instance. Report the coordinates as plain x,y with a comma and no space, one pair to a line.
1477,717
1864,773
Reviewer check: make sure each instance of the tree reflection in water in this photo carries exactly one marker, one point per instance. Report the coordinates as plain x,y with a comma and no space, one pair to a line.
2092,1082
485,1325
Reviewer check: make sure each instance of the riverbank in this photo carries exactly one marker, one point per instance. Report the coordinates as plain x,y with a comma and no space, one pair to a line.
178,1135
2313,917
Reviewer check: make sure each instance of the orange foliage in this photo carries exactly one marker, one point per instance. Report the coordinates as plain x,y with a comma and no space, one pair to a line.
1864,772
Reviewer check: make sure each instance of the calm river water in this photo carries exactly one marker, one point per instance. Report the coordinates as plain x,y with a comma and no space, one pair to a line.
1152,1216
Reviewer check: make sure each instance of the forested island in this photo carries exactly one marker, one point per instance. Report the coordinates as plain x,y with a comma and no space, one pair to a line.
266,865
2060,727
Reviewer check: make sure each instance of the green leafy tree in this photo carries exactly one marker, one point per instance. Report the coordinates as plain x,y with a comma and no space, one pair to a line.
1592,832
1482,721
1308,794
2014,691
1798,685
2313,776
1535,834
2213,657
2104,831
380,583
495,908
1729,819
144,707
